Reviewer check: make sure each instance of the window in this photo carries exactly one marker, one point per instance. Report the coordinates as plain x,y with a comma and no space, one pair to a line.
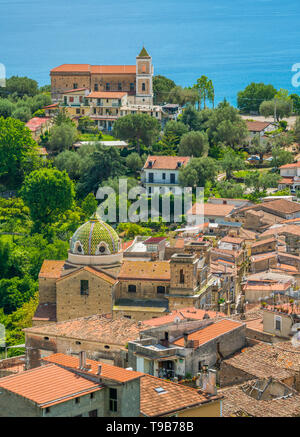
77,111
127,317
113,400
143,87
181,280
65,100
161,289
96,87
78,342
172,178
132,87
77,400
92,395
278,323
164,176
47,409
71,99
75,86
143,68
84,287
93,413
107,87
119,86
151,178
46,338
149,190
106,346
131,288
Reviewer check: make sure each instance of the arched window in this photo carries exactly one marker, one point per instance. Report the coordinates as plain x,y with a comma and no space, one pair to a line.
78,248
143,86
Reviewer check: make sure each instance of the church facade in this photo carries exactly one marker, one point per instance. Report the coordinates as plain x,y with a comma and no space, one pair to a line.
134,80
95,279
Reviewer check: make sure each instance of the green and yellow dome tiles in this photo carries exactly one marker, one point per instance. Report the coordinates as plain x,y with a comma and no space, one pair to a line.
95,238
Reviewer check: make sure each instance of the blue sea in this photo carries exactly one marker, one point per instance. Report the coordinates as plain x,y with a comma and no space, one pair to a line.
233,42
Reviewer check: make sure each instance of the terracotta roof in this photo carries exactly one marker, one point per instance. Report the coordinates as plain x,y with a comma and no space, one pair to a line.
51,269
106,95
257,126
54,105
237,403
189,313
265,241
264,286
97,328
45,312
284,229
287,181
48,385
95,69
293,165
233,240
36,123
145,270
75,90
255,325
211,209
175,397
281,205
108,371
210,332
264,360
91,270
166,162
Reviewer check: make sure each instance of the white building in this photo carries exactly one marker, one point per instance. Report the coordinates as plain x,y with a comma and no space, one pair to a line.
290,174
160,173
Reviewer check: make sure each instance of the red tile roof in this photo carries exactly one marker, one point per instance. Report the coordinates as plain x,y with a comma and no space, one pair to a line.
257,126
166,162
51,269
48,385
189,313
36,123
210,332
106,95
211,209
45,312
175,397
293,165
93,271
108,371
95,69
75,90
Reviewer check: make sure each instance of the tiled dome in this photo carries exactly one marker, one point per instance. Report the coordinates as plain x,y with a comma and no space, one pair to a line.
95,238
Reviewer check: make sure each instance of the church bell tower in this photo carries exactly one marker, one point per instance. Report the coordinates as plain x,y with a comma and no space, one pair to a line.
144,76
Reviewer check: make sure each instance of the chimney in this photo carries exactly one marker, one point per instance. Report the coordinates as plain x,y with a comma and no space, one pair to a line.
99,369
82,360
185,339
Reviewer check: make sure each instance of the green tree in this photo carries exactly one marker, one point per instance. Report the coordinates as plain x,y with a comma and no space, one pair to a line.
89,205
281,157
197,172
230,190
277,108
296,103
250,99
194,143
261,181
297,130
137,128
161,88
21,86
22,113
18,152
62,137
47,193
134,162
226,126
86,124
69,161
176,128
260,146
6,108
182,96
205,91
230,162
14,292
